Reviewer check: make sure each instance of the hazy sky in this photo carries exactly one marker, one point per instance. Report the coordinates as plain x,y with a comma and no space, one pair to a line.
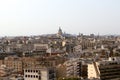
33,17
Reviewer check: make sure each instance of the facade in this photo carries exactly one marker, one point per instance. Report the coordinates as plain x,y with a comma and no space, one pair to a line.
3,71
40,49
14,64
105,70
39,74
30,62
70,68
87,44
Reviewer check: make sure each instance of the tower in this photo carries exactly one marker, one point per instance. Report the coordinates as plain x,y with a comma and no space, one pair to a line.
60,31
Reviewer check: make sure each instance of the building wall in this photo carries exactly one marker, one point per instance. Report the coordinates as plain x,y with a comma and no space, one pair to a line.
91,71
32,74
39,46
14,64
104,70
44,75
69,68
39,74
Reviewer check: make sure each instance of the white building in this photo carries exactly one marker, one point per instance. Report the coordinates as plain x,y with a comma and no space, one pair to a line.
39,74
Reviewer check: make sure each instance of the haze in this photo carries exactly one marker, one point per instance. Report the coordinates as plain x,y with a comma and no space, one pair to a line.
35,17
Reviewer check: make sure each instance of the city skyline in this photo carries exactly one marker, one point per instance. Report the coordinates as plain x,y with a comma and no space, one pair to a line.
36,17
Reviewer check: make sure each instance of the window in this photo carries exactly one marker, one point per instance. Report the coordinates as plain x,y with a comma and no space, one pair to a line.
36,76
28,75
25,70
36,71
25,75
28,70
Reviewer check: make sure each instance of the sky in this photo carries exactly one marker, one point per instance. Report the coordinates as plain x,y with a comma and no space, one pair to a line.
36,17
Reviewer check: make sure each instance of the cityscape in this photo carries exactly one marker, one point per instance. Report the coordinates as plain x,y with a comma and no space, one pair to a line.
59,39
60,56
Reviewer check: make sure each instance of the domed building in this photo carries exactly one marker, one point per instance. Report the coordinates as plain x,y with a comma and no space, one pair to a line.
59,32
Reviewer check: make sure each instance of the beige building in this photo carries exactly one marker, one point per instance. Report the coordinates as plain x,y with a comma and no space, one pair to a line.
105,70
13,63
4,71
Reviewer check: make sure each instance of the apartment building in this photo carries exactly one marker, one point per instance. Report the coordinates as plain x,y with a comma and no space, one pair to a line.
105,70
70,68
13,63
39,73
